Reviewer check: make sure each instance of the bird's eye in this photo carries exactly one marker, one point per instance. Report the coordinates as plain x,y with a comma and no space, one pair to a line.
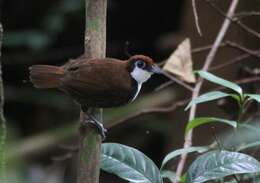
140,64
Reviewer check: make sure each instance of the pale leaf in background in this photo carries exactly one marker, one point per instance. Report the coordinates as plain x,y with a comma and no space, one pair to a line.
180,62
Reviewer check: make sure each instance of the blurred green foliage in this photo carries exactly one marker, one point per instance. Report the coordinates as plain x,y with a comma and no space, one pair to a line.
34,40
54,22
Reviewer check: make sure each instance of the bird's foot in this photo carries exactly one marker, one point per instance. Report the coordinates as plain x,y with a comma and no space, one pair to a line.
100,127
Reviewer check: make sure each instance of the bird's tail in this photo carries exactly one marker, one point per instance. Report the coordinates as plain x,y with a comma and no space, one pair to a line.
46,76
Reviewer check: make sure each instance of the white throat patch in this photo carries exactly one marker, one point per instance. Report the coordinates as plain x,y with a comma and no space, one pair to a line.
140,76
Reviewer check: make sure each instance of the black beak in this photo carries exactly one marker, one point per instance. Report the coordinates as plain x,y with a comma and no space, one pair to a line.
155,69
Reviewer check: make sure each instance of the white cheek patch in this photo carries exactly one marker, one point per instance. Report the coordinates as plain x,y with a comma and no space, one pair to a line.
140,76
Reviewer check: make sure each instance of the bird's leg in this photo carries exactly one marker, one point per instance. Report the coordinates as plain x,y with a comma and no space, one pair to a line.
90,118
102,130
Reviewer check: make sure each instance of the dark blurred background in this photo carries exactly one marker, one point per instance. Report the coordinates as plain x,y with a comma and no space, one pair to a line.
52,31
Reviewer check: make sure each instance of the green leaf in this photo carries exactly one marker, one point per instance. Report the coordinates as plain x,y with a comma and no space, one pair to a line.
173,154
253,97
214,79
236,97
129,164
168,174
218,164
249,145
183,178
207,97
252,128
246,134
204,120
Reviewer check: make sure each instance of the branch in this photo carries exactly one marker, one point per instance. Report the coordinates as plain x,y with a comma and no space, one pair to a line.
178,81
205,48
233,61
2,119
254,53
196,50
40,143
246,14
148,111
195,13
220,66
234,20
43,142
175,79
243,49
208,61
89,138
164,85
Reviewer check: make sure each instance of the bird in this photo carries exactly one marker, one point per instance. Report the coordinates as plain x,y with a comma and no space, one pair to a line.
97,82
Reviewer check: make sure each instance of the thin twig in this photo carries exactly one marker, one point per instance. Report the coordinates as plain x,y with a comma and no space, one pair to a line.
230,44
164,85
246,14
243,49
196,50
146,112
154,110
233,61
180,82
208,61
242,81
205,48
255,53
43,142
174,79
196,17
234,20
252,71
217,140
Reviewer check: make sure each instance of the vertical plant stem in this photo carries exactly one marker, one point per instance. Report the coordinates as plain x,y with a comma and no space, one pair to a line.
2,118
90,139
209,59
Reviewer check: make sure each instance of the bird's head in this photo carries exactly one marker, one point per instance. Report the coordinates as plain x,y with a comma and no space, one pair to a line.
142,67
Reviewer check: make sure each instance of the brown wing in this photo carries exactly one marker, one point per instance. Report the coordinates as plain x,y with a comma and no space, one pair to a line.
98,83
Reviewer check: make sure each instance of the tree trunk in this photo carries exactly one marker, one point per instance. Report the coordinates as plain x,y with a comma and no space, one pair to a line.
90,139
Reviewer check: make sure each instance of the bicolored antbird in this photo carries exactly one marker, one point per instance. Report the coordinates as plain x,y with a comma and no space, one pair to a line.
97,83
